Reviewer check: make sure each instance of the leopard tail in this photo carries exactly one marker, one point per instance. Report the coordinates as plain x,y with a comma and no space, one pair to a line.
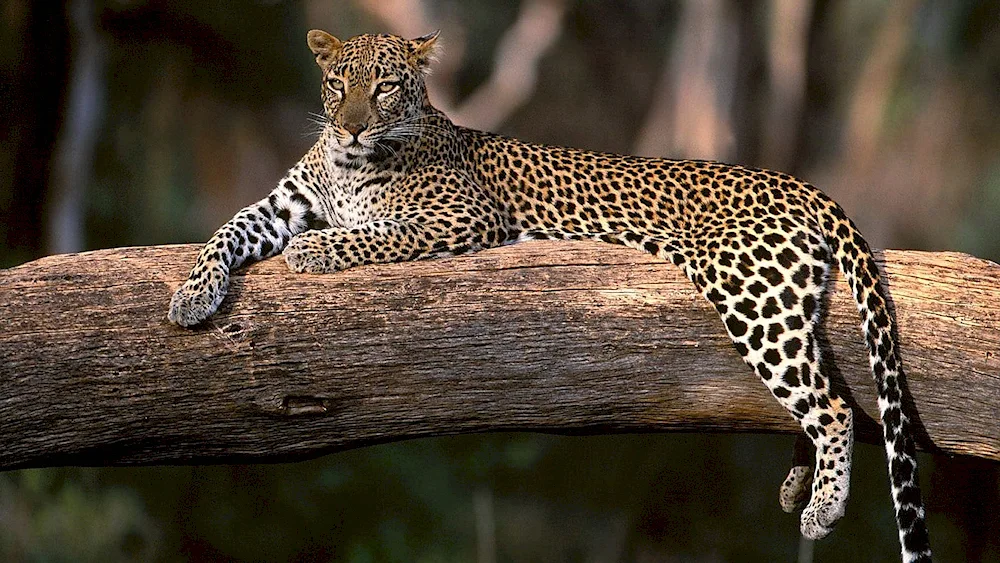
878,323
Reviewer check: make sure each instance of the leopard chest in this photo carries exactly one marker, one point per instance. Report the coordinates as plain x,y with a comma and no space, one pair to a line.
358,196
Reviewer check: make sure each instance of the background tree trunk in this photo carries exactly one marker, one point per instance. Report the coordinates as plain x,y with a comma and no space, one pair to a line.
546,336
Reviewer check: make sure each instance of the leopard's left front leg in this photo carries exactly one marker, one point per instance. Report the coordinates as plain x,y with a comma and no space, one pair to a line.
417,221
256,232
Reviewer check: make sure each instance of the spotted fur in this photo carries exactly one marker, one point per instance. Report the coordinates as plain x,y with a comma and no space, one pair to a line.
392,179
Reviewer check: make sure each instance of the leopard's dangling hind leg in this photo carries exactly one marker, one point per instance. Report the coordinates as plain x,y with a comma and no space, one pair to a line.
769,296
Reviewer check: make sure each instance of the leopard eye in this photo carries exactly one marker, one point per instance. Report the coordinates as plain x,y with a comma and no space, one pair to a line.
335,84
387,87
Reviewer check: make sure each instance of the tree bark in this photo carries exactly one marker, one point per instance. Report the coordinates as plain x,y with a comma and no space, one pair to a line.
545,336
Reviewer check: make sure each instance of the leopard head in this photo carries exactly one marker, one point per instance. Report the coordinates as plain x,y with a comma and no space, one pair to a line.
373,88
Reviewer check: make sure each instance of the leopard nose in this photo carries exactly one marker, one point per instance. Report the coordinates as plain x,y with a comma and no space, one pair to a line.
355,128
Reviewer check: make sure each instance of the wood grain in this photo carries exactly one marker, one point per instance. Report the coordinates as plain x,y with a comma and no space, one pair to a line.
544,336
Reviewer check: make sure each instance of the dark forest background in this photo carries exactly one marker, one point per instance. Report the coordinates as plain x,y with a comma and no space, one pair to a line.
137,122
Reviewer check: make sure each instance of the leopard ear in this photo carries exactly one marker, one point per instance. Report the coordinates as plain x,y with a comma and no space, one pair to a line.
325,46
422,50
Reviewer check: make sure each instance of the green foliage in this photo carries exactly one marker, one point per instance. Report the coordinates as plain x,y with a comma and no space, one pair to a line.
65,515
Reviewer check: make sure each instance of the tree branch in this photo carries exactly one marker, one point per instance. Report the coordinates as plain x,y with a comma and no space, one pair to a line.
546,336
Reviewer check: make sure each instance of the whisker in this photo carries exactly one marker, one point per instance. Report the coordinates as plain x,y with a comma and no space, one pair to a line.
319,117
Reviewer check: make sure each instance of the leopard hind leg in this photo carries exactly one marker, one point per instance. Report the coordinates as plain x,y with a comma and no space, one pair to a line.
770,310
769,296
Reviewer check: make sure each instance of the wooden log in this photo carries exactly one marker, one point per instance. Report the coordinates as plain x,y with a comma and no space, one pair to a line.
544,336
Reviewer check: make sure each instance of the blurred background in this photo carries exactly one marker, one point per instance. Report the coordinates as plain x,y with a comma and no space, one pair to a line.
138,122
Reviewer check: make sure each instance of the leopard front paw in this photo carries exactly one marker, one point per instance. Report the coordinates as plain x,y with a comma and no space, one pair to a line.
194,302
307,253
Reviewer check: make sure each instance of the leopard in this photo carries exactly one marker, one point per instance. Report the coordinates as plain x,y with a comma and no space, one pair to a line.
392,179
